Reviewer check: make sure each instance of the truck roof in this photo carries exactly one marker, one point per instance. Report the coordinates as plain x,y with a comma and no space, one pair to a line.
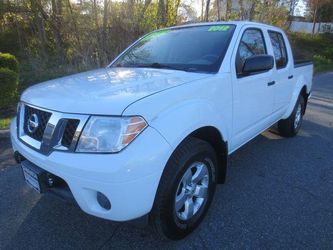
238,23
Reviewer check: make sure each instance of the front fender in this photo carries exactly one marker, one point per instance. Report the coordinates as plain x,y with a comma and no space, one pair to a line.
177,121
176,112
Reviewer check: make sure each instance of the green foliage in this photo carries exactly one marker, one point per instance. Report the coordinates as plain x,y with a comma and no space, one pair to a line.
4,123
322,63
270,12
328,53
36,72
9,41
9,61
318,47
8,87
172,8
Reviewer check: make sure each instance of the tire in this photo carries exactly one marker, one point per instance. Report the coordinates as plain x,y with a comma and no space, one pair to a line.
289,127
189,174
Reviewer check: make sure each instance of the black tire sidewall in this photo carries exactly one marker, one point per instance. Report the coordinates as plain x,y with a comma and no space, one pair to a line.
173,227
299,101
286,126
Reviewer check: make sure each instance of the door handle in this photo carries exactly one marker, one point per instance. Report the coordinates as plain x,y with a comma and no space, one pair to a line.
271,83
290,77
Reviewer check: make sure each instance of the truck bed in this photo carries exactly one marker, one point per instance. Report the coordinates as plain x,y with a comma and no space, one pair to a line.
301,63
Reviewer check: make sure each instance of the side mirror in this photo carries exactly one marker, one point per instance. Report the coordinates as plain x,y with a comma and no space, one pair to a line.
259,63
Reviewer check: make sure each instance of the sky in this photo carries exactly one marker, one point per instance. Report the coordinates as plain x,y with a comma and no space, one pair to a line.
299,11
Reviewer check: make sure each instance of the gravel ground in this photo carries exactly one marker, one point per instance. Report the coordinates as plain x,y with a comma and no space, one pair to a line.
279,194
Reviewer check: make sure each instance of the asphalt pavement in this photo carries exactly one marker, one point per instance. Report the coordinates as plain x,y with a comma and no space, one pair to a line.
278,195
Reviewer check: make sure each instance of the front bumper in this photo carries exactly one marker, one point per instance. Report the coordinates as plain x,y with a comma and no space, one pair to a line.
129,179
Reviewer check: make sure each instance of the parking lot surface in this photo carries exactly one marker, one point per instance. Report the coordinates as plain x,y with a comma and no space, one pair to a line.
278,195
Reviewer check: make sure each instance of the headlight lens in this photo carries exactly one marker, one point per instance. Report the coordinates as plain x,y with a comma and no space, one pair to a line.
109,134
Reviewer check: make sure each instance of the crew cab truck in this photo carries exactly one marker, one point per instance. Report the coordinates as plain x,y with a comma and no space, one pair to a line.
150,134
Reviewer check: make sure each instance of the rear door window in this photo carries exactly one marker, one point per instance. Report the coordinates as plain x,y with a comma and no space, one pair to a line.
279,49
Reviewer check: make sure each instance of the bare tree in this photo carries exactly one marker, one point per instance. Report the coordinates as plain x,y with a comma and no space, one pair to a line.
202,10
207,10
314,4
145,7
218,7
161,13
241,9
228,9
104,31
56,27
39,24
291,11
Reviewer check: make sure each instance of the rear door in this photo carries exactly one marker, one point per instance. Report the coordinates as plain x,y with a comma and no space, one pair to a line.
253,95
283,76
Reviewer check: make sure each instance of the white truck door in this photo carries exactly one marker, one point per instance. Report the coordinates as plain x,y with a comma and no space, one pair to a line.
253,95
284,71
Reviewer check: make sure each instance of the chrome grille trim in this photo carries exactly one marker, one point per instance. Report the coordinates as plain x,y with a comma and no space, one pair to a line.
53,132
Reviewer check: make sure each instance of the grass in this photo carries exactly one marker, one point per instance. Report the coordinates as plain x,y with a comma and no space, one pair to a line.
4,123
322,64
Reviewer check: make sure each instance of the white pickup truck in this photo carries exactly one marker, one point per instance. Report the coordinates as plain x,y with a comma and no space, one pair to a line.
150,134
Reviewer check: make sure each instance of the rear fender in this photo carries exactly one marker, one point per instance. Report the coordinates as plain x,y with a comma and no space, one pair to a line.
301,82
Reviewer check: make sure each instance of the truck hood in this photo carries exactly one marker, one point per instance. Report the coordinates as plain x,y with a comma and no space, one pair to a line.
104,91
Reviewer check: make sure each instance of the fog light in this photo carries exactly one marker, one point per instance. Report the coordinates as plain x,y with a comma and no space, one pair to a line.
103,201
18,157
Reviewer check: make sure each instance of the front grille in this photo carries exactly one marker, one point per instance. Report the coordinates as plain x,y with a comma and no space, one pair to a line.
69,132
46,130
43,118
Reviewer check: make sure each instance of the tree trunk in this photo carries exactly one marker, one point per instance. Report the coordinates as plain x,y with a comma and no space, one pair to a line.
252,11
218,3
145,7
76,34
315,18
98,35
241,9
207,10
104,32
228,9
131,8
39,24
56,26
161,13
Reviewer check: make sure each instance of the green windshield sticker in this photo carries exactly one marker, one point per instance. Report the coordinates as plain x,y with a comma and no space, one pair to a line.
154,34
219,28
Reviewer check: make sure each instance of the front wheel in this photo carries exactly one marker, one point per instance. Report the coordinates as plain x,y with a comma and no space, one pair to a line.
289,127
186,190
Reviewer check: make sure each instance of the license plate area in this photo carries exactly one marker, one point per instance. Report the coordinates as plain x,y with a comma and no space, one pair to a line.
34,176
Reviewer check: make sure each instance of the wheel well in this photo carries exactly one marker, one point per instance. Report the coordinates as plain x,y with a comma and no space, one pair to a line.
214,138
305,96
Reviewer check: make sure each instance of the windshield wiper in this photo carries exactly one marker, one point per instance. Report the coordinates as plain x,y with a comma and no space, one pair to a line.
161,66
157,65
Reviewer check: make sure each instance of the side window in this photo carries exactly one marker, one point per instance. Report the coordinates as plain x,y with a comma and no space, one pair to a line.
252,43
279,49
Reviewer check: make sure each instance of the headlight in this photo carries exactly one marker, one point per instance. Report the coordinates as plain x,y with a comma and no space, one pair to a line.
109,134
18,107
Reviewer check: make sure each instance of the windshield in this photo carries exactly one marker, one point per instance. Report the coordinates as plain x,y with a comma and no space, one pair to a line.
195,49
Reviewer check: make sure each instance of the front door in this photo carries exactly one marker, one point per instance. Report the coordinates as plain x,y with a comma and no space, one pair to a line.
253,95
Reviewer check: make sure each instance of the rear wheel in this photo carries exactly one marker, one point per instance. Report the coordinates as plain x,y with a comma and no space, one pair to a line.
186,190
289,127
